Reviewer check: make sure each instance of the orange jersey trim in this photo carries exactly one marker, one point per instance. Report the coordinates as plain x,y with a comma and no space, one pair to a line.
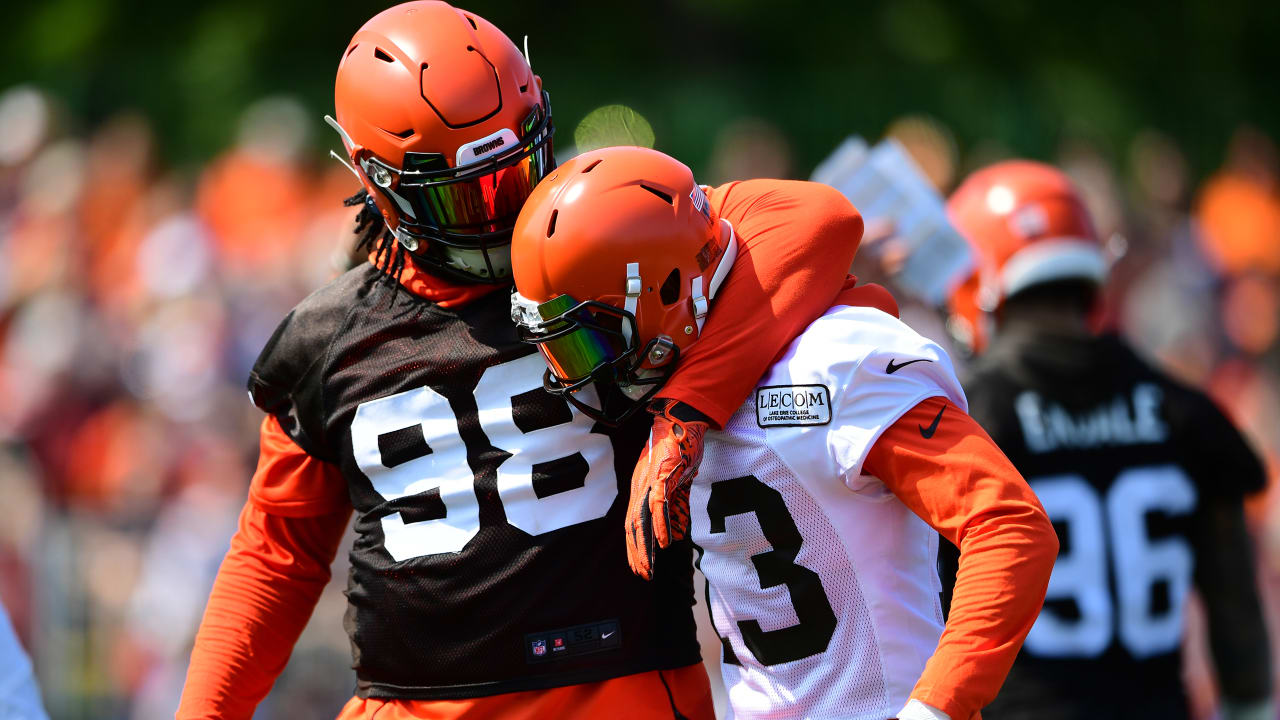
438,290
796,241
959,481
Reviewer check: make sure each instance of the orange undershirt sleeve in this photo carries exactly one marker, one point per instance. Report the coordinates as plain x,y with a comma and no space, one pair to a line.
796,241
958,481
269,582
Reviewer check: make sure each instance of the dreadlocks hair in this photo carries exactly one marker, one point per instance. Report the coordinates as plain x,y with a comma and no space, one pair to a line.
373,236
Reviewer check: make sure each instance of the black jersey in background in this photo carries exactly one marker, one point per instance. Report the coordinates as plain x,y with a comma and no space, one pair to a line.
1130,466
489,555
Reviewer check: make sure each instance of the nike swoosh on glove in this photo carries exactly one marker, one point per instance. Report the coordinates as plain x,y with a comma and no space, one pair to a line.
658,513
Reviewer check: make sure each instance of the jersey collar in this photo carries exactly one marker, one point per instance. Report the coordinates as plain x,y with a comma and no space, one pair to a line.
441,291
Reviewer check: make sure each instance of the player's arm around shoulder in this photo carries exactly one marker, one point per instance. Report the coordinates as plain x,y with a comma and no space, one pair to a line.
811,213
901,417
795,243
875,369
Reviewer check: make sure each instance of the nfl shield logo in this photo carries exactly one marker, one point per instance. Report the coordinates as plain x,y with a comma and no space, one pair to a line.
539,647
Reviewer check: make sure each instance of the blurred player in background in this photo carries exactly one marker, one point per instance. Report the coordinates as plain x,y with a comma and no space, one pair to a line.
1142,477
814,504
489,574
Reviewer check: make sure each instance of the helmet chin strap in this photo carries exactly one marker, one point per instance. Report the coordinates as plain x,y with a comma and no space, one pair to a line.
495,262
700,305
347,144
636,392
632,300
362,174
345,164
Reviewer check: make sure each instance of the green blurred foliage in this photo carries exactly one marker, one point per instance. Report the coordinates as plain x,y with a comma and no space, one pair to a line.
1024,74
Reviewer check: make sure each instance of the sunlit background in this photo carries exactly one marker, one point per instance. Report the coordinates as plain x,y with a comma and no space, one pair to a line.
165,197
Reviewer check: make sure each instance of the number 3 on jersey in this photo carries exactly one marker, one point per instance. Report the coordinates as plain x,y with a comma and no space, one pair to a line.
816,621
409,444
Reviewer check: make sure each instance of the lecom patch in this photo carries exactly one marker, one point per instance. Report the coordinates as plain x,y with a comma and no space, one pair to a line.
790,405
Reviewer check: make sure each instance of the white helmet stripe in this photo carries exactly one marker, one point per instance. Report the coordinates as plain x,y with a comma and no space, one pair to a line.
726,262
1049,260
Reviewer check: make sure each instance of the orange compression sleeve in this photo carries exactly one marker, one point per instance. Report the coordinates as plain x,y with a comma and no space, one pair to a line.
269,582
958,481
796,241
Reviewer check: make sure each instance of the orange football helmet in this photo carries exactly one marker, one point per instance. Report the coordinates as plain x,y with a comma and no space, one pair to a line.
1028,225
616,257
448,129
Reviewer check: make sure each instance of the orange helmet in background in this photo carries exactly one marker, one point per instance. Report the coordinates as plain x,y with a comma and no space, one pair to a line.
616,256
448,130
1028,225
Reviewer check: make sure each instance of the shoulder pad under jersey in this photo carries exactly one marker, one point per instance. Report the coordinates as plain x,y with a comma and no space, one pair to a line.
287,378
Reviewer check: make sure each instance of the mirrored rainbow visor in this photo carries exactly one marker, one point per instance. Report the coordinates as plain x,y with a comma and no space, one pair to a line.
578,340
455,205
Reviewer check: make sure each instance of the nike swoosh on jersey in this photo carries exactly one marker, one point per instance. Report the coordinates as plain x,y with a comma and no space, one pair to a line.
891,368
928,432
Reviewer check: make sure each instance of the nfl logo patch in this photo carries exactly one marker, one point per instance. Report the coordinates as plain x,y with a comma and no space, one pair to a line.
539,647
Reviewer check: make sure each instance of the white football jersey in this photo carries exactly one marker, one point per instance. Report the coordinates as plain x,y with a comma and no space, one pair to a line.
823,586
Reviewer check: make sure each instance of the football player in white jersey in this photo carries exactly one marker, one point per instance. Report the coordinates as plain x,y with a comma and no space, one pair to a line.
816,504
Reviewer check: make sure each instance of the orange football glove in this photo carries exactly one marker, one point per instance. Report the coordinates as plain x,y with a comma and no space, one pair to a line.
658,513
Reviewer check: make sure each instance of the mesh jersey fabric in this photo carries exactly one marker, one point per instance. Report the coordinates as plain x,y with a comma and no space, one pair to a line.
821,584
1124,460
488,557
796,242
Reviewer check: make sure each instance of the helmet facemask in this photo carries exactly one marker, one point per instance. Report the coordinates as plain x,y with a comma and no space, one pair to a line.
594,344
457,221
